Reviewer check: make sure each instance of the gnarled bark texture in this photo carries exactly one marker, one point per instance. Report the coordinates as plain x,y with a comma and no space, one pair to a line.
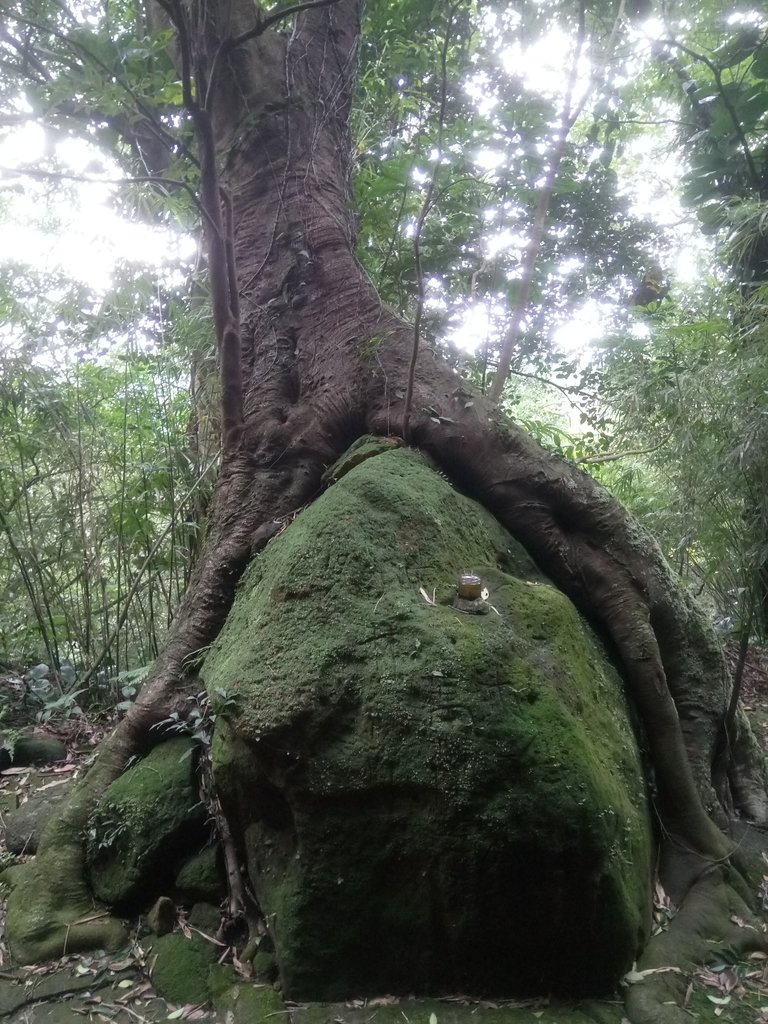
322,362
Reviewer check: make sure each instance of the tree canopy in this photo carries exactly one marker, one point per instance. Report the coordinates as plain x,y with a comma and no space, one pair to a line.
504,184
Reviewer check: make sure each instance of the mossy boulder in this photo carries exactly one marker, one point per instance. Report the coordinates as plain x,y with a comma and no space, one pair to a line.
143,826
32,749
432,801
249,1004
201,877
180,967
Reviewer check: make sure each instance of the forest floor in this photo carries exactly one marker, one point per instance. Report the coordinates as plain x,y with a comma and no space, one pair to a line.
119,986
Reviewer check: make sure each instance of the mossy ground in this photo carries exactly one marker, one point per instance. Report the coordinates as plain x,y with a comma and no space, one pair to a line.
424,792
180,966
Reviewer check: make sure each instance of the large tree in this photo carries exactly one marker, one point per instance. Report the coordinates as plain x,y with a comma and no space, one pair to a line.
310,360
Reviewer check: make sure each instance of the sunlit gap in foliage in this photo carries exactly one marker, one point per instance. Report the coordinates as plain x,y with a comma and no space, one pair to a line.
73,217
649,171
531,60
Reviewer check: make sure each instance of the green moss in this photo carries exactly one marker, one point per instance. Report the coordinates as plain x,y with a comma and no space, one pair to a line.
29,750
180,971
201,876
427,1011
51,912
221,977
142,824
250,1004
264,967
425,792
364,448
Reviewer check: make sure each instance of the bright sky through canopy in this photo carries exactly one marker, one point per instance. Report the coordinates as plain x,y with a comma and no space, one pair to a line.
71,224
75,225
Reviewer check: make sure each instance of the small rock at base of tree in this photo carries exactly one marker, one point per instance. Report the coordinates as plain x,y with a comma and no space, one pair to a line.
162,916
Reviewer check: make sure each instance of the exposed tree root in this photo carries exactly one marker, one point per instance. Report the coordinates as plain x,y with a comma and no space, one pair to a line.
716,915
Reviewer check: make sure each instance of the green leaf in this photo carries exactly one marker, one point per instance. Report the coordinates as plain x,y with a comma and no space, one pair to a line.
760,63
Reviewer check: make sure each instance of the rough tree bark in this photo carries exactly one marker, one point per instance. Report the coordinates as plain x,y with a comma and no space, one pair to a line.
322,361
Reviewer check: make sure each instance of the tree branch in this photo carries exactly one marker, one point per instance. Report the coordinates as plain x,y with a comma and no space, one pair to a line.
263,24
171,142
140,179
599,460
737,126
426,206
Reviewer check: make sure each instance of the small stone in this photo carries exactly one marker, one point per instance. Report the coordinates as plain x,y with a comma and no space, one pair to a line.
162,917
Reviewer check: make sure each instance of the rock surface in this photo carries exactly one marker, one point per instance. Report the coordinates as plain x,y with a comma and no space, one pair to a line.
32,749
24,823
432,801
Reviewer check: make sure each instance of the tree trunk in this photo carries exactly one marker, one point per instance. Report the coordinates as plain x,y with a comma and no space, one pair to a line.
322,362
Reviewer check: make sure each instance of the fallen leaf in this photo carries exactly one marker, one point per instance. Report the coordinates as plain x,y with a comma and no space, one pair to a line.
50,785
121,965
191,1011
708,978
741,923
730,980
135,993
633,977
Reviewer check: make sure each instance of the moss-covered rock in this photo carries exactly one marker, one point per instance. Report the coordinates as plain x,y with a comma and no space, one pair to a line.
206,917
201,877
427,1011
32,749
143,825
431,800
180,967
249,1004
